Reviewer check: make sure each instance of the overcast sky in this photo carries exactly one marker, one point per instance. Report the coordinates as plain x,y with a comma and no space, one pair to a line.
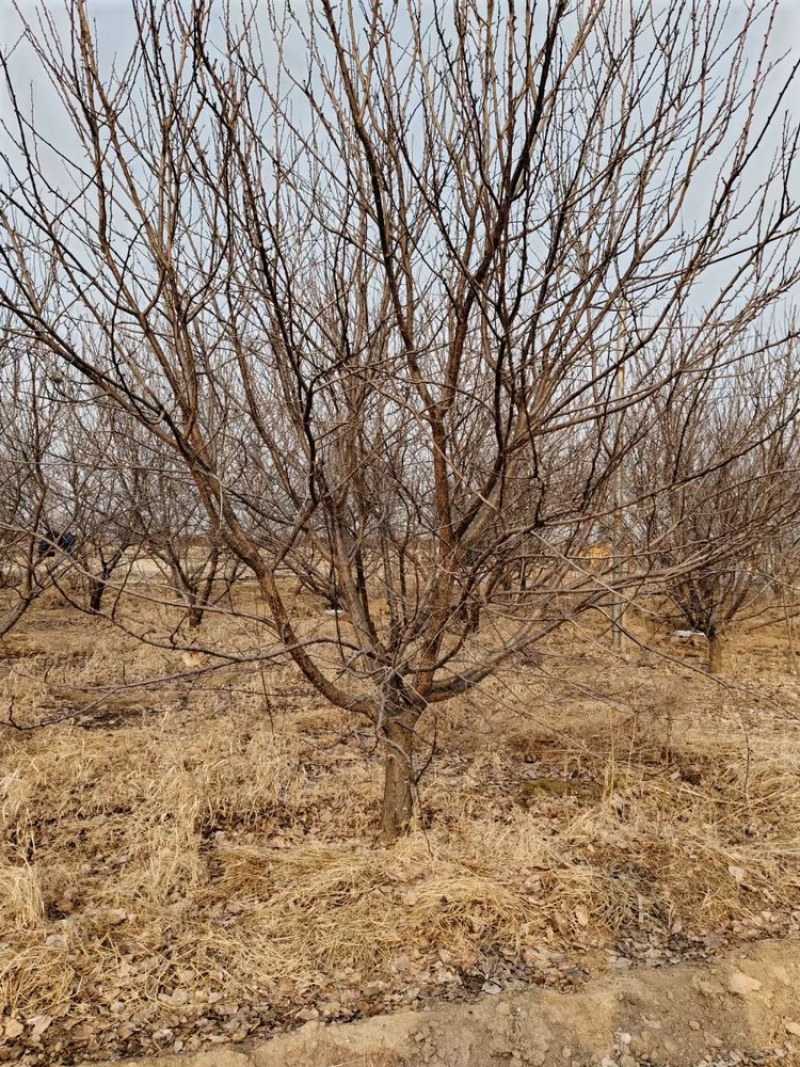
115,29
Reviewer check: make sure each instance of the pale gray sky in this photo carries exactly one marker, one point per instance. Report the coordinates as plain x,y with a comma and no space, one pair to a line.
116,33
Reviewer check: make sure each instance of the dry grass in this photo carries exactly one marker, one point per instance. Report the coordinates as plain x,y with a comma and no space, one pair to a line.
181,867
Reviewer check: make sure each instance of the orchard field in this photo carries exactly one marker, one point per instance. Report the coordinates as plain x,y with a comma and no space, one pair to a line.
197,862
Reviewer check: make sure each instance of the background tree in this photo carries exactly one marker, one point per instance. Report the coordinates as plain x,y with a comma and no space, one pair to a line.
728,448
173,529
34,508
91,471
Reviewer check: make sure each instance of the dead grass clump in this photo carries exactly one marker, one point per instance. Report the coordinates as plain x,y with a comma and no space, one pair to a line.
212,868
21,894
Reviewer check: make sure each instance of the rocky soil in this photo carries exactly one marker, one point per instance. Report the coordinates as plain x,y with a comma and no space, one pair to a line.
743,1009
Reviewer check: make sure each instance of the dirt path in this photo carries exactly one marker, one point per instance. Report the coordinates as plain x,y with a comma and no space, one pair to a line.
741,1009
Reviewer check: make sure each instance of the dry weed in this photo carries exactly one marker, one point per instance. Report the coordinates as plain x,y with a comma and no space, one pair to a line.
212,869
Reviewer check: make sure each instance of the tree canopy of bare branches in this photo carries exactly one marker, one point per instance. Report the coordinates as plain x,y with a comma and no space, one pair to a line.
362,273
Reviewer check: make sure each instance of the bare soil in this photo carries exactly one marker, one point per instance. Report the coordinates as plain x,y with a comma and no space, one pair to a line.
747,1002
196,864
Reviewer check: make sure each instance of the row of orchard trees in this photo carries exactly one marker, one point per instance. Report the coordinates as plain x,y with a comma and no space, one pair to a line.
72,466
415,304
700,518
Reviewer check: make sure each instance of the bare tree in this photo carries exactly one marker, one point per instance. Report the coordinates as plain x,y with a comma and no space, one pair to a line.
174,530
90,459
728,448
35,516
392,282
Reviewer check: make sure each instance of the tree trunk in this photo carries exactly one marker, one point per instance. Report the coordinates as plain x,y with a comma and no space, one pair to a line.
97,588
789,632
99,584
201,593
196,612
398,782
716,653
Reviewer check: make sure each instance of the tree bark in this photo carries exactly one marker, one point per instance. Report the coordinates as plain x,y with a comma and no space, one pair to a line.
201,595
97,588
716,653
196,612
99,583
398,782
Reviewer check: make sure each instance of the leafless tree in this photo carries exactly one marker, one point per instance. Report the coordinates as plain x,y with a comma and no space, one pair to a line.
34,510
728,448
371,300
174,530
89,472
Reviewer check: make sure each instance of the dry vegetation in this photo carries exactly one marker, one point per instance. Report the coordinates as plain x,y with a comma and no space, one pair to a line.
197,863
481,325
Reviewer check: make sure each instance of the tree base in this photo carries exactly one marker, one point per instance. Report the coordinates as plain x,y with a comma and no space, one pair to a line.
398,782
716,654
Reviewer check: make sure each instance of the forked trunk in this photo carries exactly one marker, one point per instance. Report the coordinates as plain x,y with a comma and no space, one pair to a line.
200,595
398,782
99,584
716,653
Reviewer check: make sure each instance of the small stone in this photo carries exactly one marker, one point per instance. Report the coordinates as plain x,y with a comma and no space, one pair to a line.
640,1044
13,1028
626,1060
792,1028
492,988
705,989
742,984
694,1024
712,1040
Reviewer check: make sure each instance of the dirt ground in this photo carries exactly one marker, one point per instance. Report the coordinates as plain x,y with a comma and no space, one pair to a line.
195,864
747,1001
